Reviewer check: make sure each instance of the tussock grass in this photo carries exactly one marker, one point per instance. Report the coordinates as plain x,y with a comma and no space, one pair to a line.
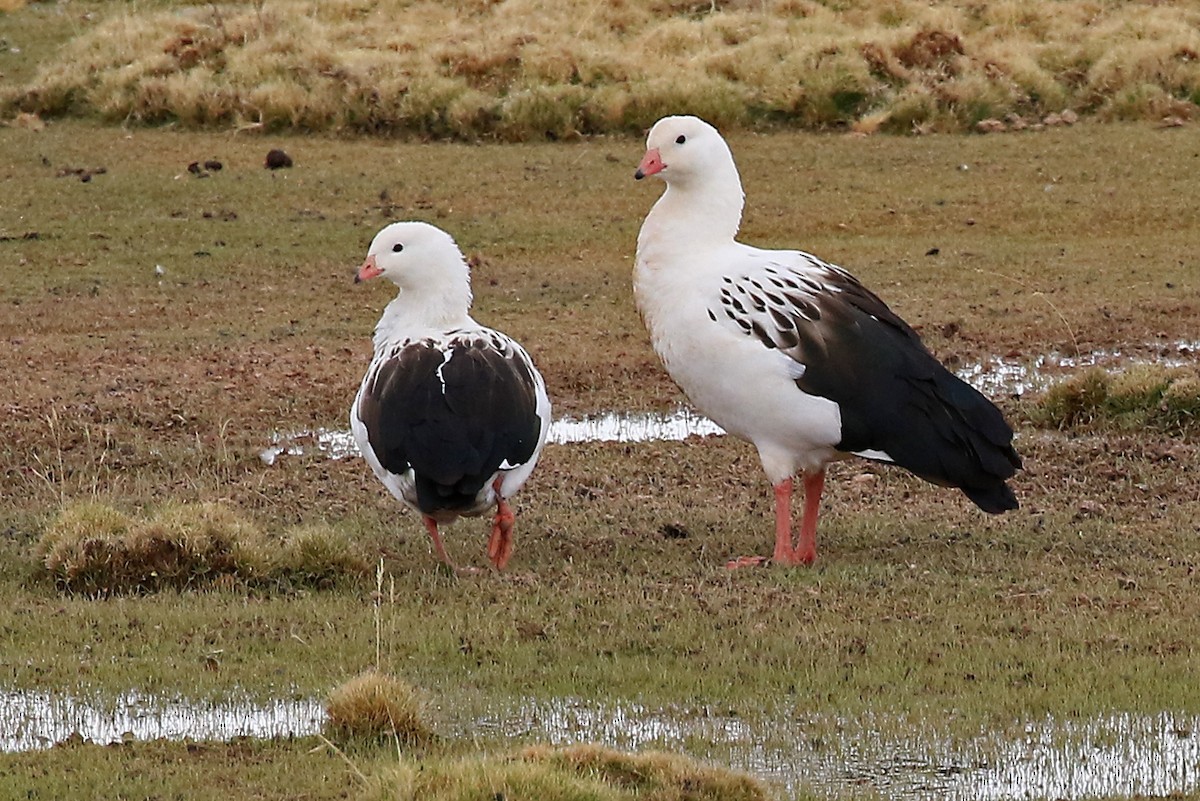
318,555
93,549
377,706
531,69
1144,396
575,773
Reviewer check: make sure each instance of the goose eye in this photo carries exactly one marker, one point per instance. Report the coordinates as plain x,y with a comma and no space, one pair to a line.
679,140
396,248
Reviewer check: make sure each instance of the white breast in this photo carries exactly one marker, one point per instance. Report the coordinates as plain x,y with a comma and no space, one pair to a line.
747,389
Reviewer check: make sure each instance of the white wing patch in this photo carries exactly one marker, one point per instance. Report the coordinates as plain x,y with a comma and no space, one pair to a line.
878,456
449,352
795,369
775,299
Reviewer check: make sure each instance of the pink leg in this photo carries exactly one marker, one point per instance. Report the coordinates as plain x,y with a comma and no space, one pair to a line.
432,527
500,544
783,522
783,531
805,552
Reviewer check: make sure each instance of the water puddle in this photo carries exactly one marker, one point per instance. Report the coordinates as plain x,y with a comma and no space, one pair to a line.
32,720
1117,756
998,376
326,441
1114,756
612,427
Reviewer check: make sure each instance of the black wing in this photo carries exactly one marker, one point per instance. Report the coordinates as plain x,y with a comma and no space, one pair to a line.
455,412
894,396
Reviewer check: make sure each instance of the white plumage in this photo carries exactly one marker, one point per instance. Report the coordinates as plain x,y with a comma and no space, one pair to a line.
451,415
792,353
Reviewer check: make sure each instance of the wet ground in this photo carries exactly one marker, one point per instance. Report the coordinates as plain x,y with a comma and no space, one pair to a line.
1115,756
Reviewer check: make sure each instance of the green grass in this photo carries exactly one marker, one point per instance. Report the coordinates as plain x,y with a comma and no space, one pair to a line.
272,770
902,616
307,768
1147,396
530,70
136,390
94,550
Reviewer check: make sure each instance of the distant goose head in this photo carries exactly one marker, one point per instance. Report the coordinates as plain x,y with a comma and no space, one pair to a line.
412,255
704,197
684,150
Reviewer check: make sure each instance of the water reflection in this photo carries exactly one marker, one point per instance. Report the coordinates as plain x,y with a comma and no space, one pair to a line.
1115,756
32,720
612,427
998,376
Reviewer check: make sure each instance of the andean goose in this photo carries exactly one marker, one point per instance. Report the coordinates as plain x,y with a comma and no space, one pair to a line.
794,354
451,415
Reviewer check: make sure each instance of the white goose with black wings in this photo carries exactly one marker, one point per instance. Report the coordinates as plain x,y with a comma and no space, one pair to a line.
451,415
793,353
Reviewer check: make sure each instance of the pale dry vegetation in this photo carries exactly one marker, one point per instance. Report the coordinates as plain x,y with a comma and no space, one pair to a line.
94,549
1146,396
574,773
377,706
525,69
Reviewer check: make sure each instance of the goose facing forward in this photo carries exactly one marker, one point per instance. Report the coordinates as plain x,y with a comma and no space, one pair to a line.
792,353
451,415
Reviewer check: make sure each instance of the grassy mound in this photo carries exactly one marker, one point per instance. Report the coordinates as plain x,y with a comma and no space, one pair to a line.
1163,398
528,69
376,706
93,549
575,773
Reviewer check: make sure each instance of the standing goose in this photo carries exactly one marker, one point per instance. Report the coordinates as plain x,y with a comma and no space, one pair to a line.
451,415
792,353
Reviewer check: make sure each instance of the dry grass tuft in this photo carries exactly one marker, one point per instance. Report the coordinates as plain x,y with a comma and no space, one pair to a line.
319,556
533,69
1153,396
94,549
575,773
83,542
652,774
377,706
11,5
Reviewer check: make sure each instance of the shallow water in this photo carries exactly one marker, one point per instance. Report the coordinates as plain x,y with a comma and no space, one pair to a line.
998,376
32,720
995,377
1114,756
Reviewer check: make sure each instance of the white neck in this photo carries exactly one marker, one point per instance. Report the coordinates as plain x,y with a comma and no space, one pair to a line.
695,212
414,312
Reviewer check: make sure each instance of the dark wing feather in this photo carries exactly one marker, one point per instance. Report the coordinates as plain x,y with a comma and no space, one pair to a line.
455,412
894,396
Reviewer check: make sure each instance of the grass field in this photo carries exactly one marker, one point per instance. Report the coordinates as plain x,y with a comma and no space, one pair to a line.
162,325
526,70
135,389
